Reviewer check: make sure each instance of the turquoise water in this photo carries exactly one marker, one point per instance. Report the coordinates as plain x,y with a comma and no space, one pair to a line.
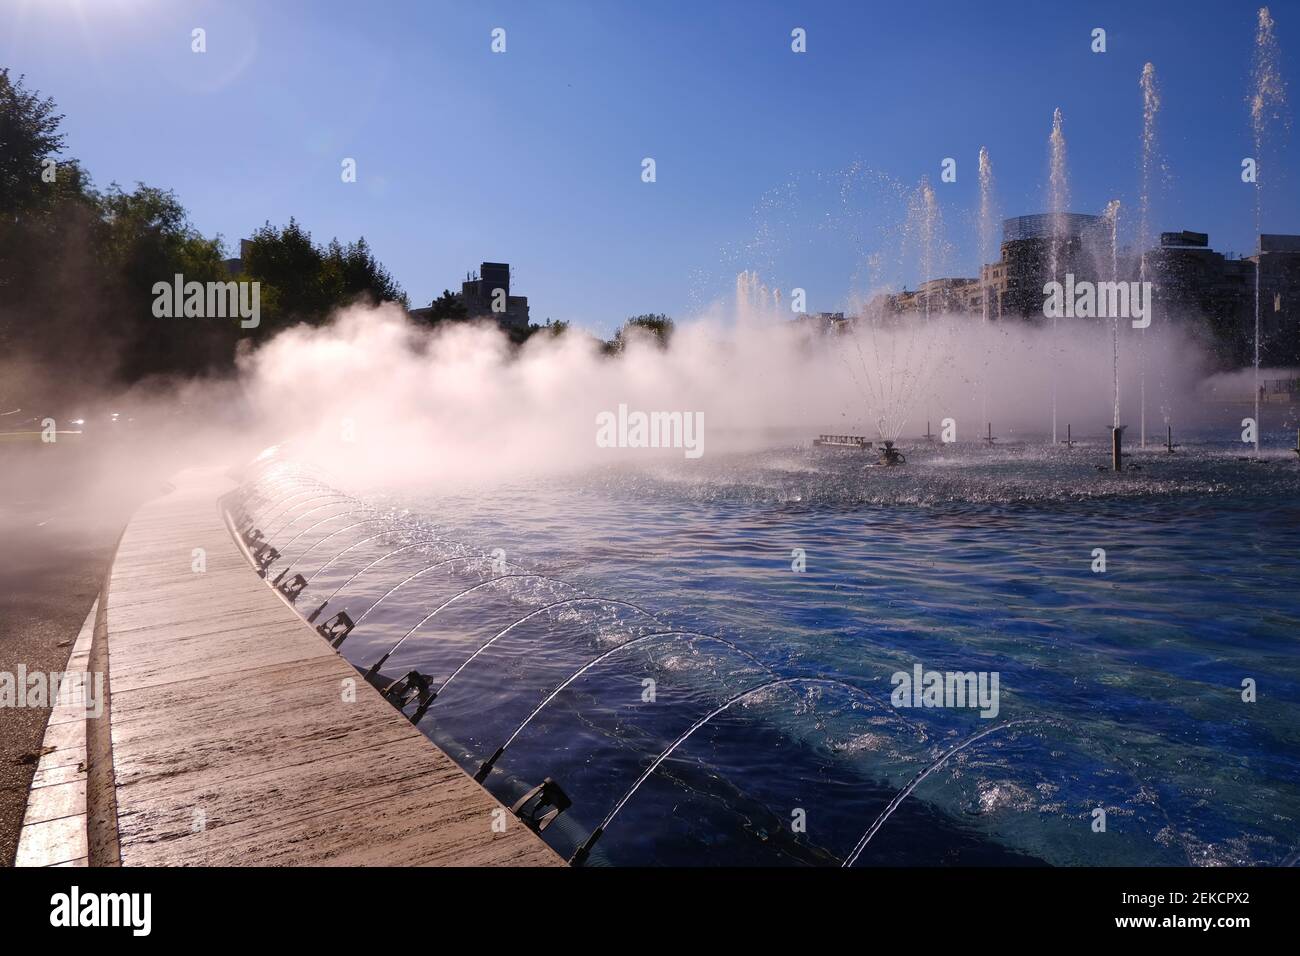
1127,684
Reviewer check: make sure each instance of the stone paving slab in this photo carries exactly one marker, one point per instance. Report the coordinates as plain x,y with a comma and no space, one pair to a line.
239,737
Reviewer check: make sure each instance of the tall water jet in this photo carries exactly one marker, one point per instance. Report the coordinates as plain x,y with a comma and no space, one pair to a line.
1267,97
753,298
1058,202
930,228
923,216
1150,108
1112,220
986,225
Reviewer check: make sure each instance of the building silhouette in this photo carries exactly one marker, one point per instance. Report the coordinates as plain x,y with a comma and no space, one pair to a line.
1192,284
486,295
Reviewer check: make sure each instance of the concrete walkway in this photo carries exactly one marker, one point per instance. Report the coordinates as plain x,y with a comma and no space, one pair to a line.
239,737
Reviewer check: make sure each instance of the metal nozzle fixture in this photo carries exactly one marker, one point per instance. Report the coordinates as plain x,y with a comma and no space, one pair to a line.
336,629
485,767
889,455
293,587
264,557
582,852
539,807
414,687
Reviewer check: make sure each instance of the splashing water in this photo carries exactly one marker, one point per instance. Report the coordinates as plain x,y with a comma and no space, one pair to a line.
1150,109
754,301
1267,98
1112,218
1058,202
986,222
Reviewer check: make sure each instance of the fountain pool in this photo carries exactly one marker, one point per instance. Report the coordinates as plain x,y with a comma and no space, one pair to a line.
689,584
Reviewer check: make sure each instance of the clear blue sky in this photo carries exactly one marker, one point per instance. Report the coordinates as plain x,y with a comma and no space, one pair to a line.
534,156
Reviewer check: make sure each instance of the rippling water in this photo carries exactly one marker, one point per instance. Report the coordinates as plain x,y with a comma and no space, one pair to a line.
966,559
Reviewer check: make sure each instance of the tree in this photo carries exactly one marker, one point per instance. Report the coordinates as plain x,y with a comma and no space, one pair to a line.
656,326
446,306
288,265
78,268
350,273
302,282
145,237
29,134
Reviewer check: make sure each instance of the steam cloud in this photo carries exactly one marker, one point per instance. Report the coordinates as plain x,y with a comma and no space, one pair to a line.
381,401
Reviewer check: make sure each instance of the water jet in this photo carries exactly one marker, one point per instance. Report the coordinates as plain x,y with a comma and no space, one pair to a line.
889,455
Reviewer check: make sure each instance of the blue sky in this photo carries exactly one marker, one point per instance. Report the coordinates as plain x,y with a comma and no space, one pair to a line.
534,156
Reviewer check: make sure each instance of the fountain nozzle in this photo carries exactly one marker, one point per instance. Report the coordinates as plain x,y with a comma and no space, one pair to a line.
889,455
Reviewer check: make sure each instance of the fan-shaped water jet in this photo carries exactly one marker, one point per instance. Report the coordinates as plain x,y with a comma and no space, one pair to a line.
456,597
485,767
357,574
915,781
584,850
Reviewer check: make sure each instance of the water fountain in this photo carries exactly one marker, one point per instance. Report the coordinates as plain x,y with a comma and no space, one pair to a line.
904,359
345,555
281,501
1150,109
1058,202
1267,99
986,249
1117,442
1112,219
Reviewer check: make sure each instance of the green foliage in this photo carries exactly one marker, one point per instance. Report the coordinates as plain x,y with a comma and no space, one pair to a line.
303,282
351,272
78,268
654,325
142,238
446,306
29,133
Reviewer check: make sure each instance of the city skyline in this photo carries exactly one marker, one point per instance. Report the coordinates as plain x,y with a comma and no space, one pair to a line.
534,156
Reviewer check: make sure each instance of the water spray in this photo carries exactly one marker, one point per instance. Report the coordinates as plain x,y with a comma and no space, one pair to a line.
889,455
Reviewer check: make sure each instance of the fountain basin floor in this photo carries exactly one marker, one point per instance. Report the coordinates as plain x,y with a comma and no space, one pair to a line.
966,559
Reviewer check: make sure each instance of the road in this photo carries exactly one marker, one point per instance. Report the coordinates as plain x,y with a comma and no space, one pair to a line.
62,508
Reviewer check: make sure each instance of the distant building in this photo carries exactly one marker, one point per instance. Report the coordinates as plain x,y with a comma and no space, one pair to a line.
1192,279
822,322
1037,249
487,295
236,266
934,296
1189,280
